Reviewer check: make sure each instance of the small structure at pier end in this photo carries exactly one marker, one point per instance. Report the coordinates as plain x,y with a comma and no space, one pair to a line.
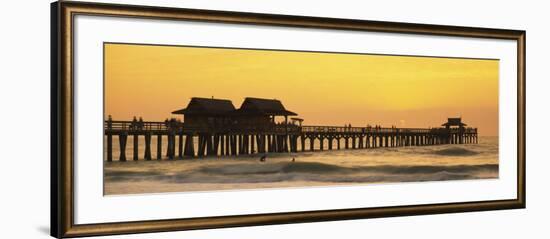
456,122
219,129
461,135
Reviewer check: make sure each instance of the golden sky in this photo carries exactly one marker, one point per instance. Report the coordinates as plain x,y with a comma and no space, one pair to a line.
324,89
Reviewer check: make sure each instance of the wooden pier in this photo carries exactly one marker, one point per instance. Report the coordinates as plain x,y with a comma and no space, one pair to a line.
184,141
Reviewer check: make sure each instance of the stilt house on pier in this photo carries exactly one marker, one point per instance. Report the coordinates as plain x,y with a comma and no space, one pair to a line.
213,113
257,112
207,113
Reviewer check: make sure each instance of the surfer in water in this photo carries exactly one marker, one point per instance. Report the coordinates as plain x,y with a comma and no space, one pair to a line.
263,158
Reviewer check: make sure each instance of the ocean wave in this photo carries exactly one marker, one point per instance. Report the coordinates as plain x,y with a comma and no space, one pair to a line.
271,168
455,151
269,172
322,168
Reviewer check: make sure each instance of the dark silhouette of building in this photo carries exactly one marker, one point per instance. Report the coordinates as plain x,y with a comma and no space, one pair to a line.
454,122
207,113
213,113
259,112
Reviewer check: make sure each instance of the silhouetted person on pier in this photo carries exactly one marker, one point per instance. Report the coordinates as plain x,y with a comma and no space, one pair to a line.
110,122
134,123
140,123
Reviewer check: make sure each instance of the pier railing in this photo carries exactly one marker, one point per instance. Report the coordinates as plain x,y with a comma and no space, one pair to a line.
179,127
344,129
137,125
176,126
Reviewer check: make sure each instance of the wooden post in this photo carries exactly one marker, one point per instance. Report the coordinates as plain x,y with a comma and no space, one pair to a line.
346,142
269,144
168,144
274,143
227,144
180,145
147,155
222,145
282,142
312,143
189,146
159,146
303,142
122,137
240,144
172,136
353,143
252,140
295,144
170,147
285,143
338,143
265,143
202,145
259,143
136,138
321,143
246,143
209,145
200,142
278,143
233,144
109,147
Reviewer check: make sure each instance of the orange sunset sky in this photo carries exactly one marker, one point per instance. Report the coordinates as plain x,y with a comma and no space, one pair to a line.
324,89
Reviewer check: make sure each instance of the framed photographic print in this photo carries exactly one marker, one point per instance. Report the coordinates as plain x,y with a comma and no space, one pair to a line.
173,119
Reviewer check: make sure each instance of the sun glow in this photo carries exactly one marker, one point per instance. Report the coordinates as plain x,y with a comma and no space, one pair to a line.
324,89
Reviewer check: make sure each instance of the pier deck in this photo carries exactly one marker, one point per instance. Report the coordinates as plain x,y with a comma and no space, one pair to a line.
212,141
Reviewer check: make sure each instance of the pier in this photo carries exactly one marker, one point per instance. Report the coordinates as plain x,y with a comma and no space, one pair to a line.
213,127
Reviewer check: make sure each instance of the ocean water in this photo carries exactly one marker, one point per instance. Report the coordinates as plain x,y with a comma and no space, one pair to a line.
318,168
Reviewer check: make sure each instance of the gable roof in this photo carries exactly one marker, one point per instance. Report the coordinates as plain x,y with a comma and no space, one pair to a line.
454,122
259,106
207,106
